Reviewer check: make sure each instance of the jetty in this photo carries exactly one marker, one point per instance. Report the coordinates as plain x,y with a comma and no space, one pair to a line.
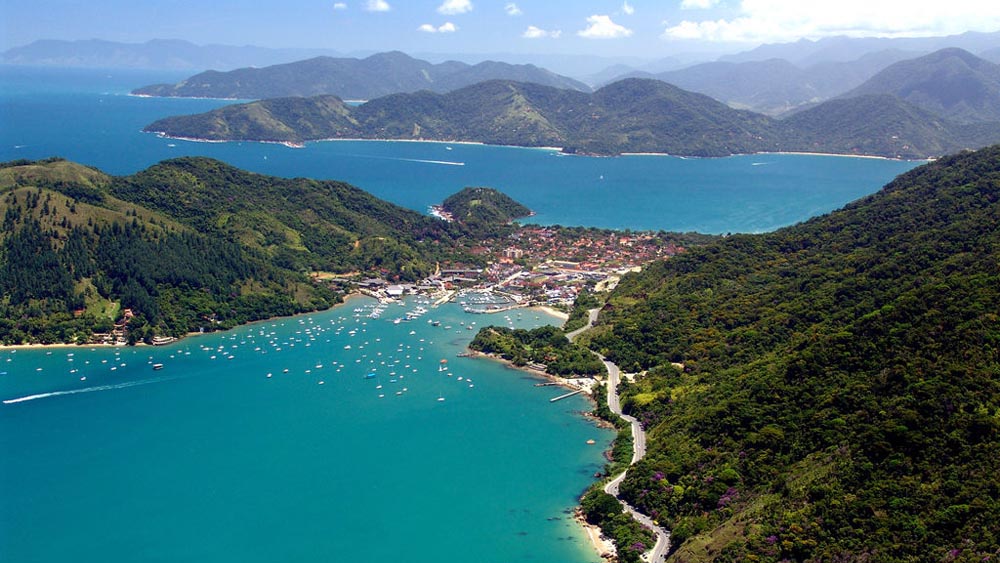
566,395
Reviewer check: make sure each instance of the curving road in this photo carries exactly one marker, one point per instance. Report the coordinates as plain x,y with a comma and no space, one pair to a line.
659,552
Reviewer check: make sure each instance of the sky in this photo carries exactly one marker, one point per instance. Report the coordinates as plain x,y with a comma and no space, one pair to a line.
639,28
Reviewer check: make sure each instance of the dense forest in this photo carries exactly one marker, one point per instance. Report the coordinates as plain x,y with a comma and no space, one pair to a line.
546,345
194,244
73,257
829,391
483,206
631,115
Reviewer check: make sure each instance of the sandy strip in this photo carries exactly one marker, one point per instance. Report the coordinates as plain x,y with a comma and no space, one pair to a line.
602,546
550,311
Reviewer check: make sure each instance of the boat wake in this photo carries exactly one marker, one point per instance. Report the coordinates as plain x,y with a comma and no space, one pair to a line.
445,162
87,390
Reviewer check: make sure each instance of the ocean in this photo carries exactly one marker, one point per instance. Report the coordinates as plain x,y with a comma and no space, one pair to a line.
223,455
87,116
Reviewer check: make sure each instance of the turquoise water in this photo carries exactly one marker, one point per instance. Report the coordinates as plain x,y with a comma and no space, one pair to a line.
209,459
88,117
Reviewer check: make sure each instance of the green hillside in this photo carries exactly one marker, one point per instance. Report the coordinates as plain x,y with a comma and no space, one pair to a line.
632,115
840,392
193,244
73,257
483,206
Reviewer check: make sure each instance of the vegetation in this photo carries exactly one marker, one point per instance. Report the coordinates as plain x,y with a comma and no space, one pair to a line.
580,313
829,391
603,510
632,115
353,79
951,83
73,257
193,244
545,345
483,206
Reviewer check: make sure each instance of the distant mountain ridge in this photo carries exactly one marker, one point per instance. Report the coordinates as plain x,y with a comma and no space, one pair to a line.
842,48
629,116
951,83
775,86
168,54
350,78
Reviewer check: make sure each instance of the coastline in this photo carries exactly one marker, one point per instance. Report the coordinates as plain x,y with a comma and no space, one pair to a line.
57,345
559,150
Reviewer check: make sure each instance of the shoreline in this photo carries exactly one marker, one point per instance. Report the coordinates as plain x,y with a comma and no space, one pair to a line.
559,150
57,345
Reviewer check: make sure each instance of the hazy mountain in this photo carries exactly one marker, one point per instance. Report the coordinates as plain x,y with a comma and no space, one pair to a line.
951,82
155,54
633,115
776,86
349,78
807,52
992,55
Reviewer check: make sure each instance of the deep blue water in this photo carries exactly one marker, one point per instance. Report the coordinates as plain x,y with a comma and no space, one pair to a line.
88,117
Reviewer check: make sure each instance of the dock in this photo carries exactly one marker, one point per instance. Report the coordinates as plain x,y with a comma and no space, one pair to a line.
549,384
564,396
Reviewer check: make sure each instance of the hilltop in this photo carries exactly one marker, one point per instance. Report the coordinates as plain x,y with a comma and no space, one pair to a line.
951,83
838,397
352,79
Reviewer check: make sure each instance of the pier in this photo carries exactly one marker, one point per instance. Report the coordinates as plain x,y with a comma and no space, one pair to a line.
564,396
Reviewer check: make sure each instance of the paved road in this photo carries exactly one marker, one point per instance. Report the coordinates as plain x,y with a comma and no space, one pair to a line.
659,553
591,319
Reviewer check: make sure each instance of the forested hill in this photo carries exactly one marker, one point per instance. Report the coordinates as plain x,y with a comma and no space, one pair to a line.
483,206
73,257
191,244
632,115
353,79
840,392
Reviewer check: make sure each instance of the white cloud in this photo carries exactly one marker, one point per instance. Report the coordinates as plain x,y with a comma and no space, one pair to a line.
446,27
339,6
377,6
452,7
512,9
538,33
789,20
628,9
601,27
698,4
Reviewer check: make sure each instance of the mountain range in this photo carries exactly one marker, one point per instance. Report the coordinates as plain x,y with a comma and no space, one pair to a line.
951,83
170,54
777,86
353,79
632,115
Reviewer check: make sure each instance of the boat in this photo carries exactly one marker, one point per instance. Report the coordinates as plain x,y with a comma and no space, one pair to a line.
157,366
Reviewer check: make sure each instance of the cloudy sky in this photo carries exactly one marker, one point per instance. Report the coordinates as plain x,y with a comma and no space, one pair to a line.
644,28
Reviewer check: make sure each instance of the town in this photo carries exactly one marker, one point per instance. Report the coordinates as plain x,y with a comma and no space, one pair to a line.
537,265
